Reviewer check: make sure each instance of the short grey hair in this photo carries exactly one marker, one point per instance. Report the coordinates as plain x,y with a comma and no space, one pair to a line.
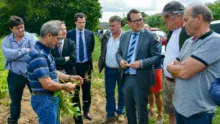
115,18
53,26
203,10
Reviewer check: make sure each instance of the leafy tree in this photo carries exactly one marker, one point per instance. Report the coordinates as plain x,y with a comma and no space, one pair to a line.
37,12
155,21
215,8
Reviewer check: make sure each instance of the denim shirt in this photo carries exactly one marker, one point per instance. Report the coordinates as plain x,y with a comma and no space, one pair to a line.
16,54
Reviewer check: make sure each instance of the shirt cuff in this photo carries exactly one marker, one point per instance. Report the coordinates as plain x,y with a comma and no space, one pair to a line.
141,64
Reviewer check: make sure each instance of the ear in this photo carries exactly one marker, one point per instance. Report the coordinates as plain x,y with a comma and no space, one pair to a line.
10,29
199,18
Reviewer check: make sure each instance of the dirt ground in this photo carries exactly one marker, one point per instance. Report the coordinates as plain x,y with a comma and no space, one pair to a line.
28,116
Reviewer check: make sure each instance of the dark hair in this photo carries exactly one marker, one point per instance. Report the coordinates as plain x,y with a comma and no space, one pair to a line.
14,21
203,10
132,11
115,18
79,15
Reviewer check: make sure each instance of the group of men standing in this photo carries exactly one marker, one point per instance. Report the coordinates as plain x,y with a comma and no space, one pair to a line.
190,65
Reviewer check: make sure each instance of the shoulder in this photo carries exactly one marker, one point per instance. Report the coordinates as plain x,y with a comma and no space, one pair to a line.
88,31
8,38
71,31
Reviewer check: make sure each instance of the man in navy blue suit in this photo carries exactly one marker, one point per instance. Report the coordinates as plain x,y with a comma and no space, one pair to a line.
85,41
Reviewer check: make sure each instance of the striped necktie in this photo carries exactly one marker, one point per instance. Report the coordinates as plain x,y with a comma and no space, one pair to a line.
59,46
131,51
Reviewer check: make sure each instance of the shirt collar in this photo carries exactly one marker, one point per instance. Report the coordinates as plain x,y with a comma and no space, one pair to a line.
203,36
41,45
79,31
12,37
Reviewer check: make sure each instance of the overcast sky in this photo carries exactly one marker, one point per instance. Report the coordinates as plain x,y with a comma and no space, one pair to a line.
121,7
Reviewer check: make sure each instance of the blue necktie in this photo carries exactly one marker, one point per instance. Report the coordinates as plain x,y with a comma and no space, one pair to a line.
131,51
81,48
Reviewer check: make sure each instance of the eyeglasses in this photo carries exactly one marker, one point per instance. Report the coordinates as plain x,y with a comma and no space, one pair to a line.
137,20
60,38
169,15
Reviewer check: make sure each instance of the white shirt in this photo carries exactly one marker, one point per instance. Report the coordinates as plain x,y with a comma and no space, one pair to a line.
112,48
172,50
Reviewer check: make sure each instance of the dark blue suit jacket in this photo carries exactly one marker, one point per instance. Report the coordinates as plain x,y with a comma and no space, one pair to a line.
90,42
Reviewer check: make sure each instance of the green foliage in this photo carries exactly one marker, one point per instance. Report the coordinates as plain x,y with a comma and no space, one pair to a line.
66,106
37,12
156,21
215,8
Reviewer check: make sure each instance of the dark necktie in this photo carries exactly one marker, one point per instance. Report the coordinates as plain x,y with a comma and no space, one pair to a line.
81,48
131,51
59,46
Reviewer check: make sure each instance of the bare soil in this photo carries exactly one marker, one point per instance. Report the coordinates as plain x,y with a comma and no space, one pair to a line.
28,116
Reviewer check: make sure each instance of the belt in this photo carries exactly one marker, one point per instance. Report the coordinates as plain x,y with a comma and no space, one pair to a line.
170,79
42,93
130,75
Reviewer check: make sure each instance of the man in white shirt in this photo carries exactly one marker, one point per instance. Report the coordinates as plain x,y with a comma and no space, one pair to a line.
172,14
107,60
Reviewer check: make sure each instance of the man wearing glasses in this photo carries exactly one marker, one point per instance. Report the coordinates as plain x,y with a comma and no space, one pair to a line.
65,54
138,51
172,14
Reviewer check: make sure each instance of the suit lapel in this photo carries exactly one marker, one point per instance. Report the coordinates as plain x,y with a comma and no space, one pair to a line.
64,50
74,36
140,41
127,39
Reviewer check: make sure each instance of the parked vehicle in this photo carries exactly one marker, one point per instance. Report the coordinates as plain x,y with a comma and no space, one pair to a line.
162,38
215,26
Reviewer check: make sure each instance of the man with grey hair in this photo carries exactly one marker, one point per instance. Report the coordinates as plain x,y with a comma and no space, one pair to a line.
43,76
172,14
195,68
107,60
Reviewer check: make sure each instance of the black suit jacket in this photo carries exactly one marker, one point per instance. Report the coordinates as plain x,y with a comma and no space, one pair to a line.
69,49
89,39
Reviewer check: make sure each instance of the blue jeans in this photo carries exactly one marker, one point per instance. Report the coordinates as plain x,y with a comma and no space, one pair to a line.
46,108
112,75
200,118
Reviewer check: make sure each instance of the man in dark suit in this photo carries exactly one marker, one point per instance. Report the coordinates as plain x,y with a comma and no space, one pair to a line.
85,41
138,51
65,54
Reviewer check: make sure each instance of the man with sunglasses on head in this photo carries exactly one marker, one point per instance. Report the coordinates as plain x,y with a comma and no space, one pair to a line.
173,17
138,51
15,48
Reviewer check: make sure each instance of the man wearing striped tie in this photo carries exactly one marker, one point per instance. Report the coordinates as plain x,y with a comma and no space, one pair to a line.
138,51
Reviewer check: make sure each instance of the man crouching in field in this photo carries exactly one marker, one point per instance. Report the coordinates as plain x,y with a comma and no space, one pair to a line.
43,76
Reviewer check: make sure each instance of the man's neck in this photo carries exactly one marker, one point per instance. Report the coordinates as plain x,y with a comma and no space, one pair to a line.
201,32
116,35
18,38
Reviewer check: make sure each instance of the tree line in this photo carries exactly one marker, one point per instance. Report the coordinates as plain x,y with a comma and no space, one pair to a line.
36,12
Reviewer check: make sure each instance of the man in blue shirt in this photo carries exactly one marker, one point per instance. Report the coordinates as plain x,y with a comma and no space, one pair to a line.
15,48
43,75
